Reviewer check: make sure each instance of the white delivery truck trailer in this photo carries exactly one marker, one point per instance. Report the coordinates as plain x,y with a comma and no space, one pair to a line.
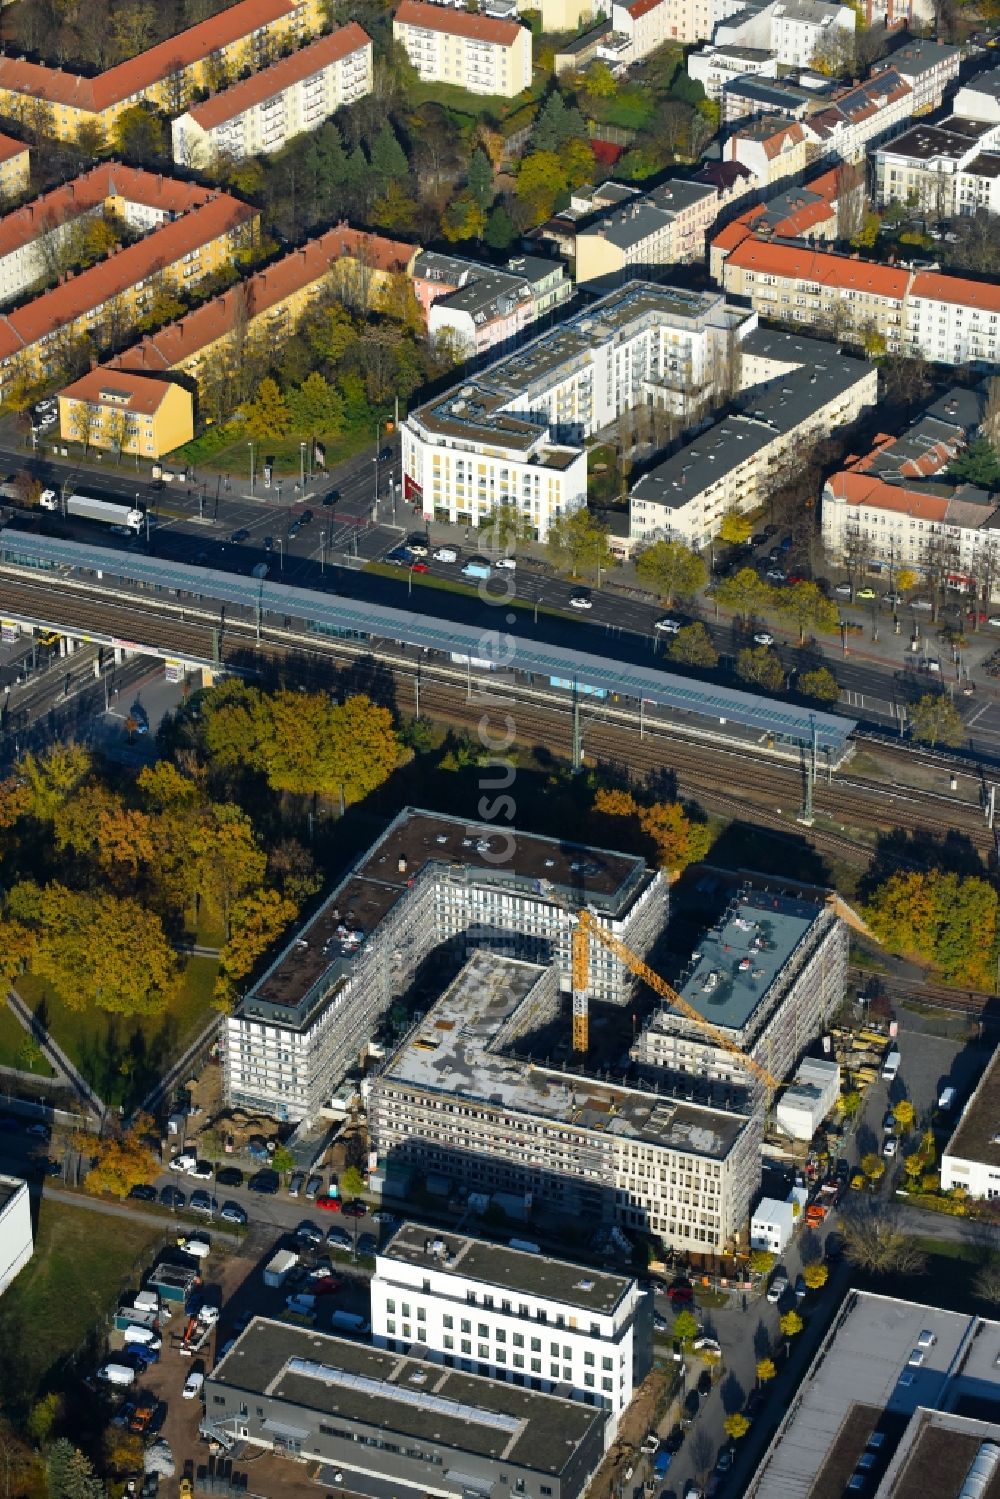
88,507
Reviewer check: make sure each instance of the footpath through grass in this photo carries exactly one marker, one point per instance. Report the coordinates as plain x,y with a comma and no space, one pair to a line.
122,1056
57,1305
222,450
12,1036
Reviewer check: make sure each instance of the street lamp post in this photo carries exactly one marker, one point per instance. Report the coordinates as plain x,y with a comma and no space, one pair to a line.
252,475
322,551
302,465
281,553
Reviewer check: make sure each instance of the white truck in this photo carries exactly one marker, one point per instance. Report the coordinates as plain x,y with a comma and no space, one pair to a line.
87,507
890,1064
277,1268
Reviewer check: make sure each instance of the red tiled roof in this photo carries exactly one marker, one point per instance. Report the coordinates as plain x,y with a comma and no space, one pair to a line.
935,287
85,193
281,75
213,320
862,489
145,395
150,67
640,8
477,28
735,233
92,288
791,262
9,147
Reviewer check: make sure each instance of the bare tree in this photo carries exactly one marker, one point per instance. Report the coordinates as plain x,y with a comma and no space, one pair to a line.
874,1240
850,201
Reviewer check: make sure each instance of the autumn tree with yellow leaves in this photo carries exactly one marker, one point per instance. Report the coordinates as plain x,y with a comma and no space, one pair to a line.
120,1159
678,839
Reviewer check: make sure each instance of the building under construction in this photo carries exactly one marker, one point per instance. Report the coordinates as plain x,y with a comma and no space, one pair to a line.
430,884
766,979
462,1099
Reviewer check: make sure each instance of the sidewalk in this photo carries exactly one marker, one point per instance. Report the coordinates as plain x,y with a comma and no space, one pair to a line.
56,1056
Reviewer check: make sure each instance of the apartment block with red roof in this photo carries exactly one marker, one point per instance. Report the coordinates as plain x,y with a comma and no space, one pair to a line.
861,117
470,50
246,35
32,236
207,343
103,302
774,149
267,109
814,211
15,169
645,24
948,320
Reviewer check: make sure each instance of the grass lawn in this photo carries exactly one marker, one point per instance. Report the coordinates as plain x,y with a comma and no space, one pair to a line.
474,106
12,1034
222,451
123,1056
82,1262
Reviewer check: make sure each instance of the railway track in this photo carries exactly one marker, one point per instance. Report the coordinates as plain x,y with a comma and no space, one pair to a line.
731,780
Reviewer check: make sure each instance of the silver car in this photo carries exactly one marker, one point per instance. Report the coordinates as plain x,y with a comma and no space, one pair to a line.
296,1184
313,1187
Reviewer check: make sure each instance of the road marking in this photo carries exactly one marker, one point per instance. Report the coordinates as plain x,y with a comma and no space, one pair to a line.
984,709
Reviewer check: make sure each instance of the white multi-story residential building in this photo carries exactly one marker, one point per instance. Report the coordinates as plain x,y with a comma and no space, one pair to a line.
768,976
429,882
861,117
643,24
16,1240
979,99
794,31
471,50
470,1098
929,68
944,169
946,319
480,306
515,434
264,111
734,464
713,67
509,1314
971,1159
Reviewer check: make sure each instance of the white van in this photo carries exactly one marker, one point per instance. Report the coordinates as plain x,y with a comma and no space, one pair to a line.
119,1374
947,1099
136,1334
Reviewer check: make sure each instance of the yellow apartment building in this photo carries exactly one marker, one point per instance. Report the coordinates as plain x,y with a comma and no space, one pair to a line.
250,35
15,169
121,412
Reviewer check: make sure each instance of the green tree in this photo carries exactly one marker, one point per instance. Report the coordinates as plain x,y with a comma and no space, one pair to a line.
934,719
761,1261
540,180
820,684
978,464
685,1328
745,592
761,667
808,607
868,233
577,544
139,136
388,159
550,127
735,528
873,1166
352,1183
479,178
268,416
30,1055
736,1425
766,1369
671,570
44,1417
692,646
500,230
316,407
282,1160
600,82
815,1274
849,1103
463,219
791,1325
941,918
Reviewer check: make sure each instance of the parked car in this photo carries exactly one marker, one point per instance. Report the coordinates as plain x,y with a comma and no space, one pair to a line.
231,1212
202,1171
296,1184
680,1292
313,1186
706,1345
354,1209
184,1162
580,601
266,1182
143,1192
777,1288
239,535
172,1197
775,575
890,1147
844,589
417,548
925,606
384,1218
668,626
193,1385
419,567
328,1204
308,1233
229,1176
367,1244
801,1289
306,518
704,1382
866,593
445,554
202,1202
339,1238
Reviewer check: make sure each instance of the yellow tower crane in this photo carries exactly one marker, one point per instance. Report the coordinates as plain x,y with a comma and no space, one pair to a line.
588,926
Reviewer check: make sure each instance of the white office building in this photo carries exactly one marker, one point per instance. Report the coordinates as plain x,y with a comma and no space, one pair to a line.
512,1315
16,1240
430,882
